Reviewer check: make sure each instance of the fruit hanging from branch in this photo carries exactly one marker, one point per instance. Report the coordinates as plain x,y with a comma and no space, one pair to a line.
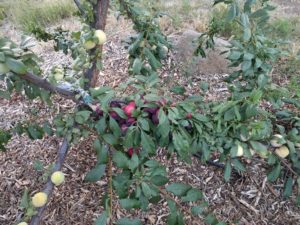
39,199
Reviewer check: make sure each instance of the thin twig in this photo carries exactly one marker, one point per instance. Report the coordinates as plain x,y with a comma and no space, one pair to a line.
62,152
79,6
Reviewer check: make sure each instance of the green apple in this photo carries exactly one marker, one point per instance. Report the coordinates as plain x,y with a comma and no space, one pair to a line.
57,178
101,36
282,152
58,76
88,45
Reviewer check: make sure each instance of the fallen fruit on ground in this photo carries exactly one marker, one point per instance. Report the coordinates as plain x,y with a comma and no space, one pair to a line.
282,152
277,140
57,178
3,68
101,36
88,45
39,199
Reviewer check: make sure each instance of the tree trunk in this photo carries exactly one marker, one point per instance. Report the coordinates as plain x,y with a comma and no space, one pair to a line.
100,15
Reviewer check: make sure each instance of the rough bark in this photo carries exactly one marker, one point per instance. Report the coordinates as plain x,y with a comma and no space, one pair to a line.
43,83
100,12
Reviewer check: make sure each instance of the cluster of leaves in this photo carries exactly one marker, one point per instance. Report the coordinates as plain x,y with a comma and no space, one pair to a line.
149,46
19,60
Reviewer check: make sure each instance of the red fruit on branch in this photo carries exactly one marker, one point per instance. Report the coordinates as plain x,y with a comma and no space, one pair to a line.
99,112
132,150
114,104
150,110
189,116
129,108
114,115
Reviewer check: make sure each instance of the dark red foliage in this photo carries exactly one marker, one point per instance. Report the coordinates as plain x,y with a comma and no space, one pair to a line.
130,121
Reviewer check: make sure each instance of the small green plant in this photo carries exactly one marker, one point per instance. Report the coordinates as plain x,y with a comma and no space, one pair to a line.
285,28
219,21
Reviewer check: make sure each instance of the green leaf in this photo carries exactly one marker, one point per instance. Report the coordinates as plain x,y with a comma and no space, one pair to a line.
114,127
102,219
238,165
102,152
155,64
178,90
5,94
234,55
129,203
101,126
192,195
198,209
288,188
121,183
133,163
137,66
164,124
16,66
172,219
96,173
110,139
127,221
227,172
232,13
82,116
38,165
120,159
47,128
246,65
178,189
146,190
147,143
159,180
260,148
144,124
25,199
274,174
211,219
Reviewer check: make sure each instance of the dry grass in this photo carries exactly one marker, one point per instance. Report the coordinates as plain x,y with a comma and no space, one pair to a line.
37,13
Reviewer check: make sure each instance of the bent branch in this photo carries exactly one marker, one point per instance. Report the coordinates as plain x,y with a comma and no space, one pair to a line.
62,152
79,6
43,83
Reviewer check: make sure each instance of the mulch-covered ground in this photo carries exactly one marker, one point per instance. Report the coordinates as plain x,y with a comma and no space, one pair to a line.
247,199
